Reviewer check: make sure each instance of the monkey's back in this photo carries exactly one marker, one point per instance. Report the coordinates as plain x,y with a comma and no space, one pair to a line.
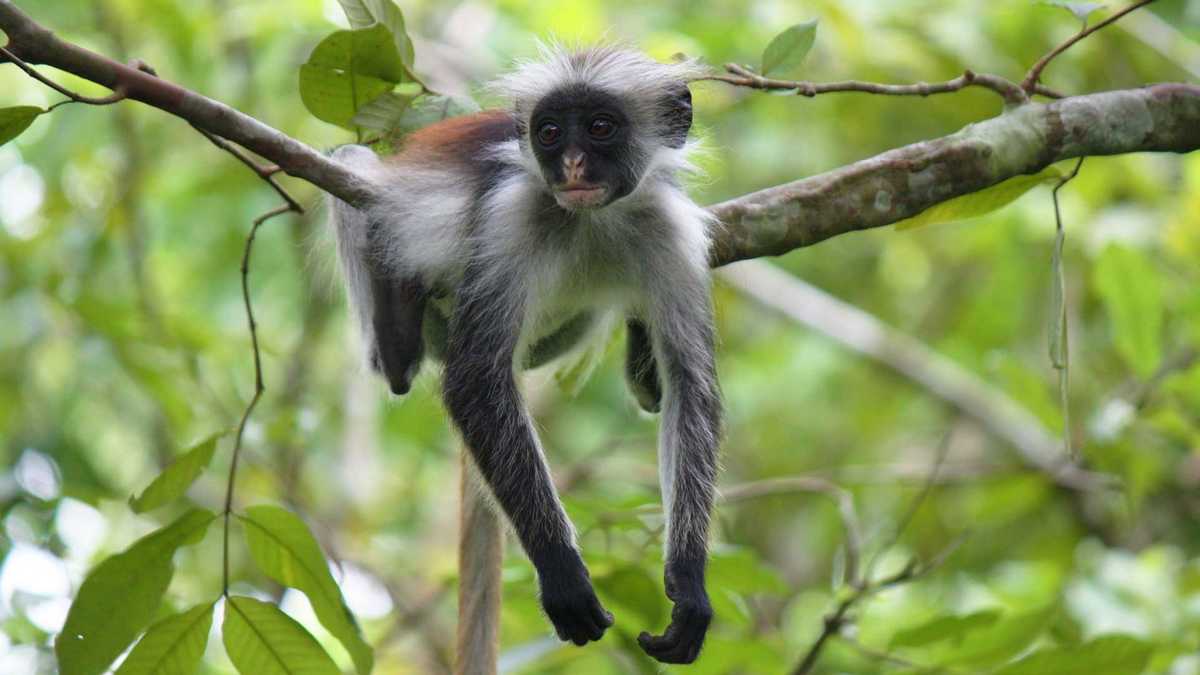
427,212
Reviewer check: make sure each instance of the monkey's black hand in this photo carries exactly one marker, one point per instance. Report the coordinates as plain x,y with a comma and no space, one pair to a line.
690,617
569,600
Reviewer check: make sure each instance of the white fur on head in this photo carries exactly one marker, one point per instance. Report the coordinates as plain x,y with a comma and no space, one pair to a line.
628,74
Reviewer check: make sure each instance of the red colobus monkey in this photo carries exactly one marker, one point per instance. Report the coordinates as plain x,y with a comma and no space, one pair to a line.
510,233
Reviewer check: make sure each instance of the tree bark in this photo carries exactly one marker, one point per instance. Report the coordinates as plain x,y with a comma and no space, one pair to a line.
871,193
903,182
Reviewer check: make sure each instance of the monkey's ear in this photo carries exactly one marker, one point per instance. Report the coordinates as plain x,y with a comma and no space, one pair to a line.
677,117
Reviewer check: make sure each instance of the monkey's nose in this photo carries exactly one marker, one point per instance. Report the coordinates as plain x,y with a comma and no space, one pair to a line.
573,166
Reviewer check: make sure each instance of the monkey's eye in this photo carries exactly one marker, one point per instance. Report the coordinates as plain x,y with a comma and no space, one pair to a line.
602,128
548,133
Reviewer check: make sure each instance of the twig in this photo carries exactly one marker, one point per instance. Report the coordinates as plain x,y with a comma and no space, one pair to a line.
1181,360
911,513
835,620
885,657
864,586
840,496
264,171
1035,73
1009,91
258,386
72,97
862,332
34,44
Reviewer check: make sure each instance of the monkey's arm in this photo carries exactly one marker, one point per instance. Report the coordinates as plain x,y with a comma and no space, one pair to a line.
682,331
640,368
481,393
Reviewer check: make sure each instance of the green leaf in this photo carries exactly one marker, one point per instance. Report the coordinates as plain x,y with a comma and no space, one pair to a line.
347,70
1131,290
178,477
1108,655
999,642
982,202
429,109
1059,352
363,13
262,640
283,547
385,112
173,646
1058,307
119,597
15,120
952,628
785,53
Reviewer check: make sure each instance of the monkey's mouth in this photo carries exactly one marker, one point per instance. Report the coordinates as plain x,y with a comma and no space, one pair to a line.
579,196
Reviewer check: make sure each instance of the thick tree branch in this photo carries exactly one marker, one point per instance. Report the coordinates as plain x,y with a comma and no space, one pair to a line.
870,193
34,44
903,182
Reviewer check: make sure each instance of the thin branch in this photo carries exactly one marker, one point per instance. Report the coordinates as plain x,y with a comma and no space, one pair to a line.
266,172
1156,33
911,513
1181,360
33,44
744,77
72,97
841,498
258,386
1003,417
835,620
1035,73
885,657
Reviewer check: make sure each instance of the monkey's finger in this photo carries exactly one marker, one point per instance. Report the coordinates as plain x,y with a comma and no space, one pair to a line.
585,628
662,648
682,640
577,631
669,648
601,616
655,644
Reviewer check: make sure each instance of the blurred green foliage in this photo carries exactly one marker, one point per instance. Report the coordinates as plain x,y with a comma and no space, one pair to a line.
123,343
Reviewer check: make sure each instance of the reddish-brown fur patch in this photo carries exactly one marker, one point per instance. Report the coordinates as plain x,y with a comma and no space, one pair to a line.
458,139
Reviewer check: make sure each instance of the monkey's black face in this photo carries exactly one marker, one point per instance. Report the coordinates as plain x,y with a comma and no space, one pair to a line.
582,139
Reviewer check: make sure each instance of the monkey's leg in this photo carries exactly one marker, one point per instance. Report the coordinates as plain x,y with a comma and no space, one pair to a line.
640,368
397,308
689,437
481,393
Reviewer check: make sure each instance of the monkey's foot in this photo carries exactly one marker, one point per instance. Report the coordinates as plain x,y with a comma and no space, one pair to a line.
571,603
690,618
